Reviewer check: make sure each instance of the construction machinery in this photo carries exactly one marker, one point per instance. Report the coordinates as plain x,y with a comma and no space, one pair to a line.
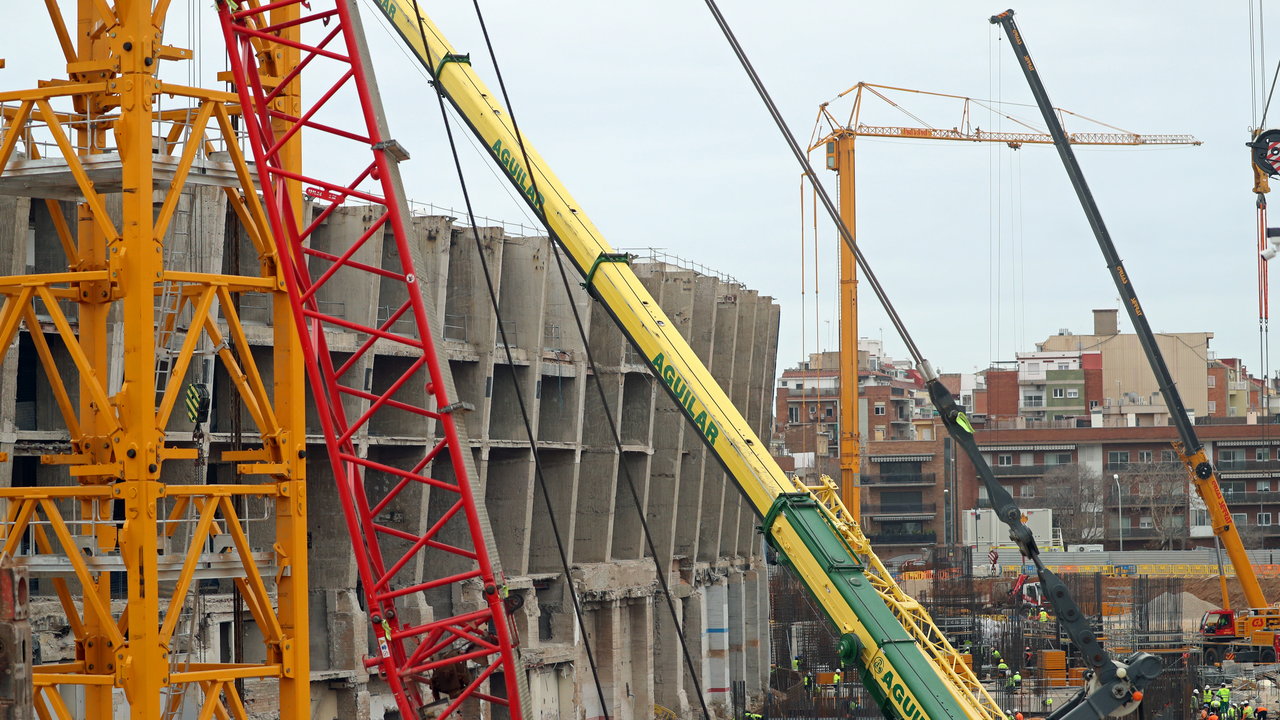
122,509
839,146
1252,633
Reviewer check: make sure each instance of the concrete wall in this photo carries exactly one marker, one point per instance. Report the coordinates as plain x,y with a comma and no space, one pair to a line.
702,531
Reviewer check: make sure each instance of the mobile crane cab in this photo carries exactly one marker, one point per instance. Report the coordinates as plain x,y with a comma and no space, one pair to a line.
1246,636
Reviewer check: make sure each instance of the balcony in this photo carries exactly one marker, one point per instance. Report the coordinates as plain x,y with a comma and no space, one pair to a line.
1248,465
1249,498
1032,402
873,509
1167,497
924,538
1019,470
900,479
1142,466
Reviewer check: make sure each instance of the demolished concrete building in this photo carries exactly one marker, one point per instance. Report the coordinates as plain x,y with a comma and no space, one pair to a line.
703,533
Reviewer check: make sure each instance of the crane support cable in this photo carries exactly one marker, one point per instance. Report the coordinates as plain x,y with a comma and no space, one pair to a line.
1115,684
894,665
821,191
539,473
1191,449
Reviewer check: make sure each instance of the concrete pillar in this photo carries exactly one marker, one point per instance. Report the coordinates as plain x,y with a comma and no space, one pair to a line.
668,660
695,634
755,628
736,611
715,683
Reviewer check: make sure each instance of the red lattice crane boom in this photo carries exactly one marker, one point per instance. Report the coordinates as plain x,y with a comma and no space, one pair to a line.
453,657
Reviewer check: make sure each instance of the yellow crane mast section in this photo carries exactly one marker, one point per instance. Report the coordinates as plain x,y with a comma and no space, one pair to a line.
915,671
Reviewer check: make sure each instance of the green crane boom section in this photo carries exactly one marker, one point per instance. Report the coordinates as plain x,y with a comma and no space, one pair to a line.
903,660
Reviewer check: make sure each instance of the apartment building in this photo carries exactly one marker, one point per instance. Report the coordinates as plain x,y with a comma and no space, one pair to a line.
1126,485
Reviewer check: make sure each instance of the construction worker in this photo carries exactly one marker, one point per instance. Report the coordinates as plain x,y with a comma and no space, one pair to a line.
1044,616
1224,693
1028,657
1017,715
795,663
748,715
1017,680
1246,711
1002,669
1195,699
1048,705
836,679
1261,712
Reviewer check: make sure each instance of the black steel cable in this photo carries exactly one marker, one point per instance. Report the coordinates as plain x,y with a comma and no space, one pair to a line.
515,381
661,572
845,233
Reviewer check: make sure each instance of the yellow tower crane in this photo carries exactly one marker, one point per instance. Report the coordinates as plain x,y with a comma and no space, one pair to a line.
114,156
838,143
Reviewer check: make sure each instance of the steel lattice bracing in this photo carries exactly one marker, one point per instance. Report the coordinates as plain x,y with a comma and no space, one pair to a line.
124,535
415,655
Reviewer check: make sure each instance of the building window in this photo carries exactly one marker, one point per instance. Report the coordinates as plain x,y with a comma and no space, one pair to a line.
1240,519
799,385
1027,491
1231,487
1073,393
1117,457
879,408
1057,458
1262,454
1064,366
793,414
1264,519
1168,456
1145,522
1213,406
1213,381
1093,404
1004,460
1144,456
1059,393
830,411
1264,486
1230,459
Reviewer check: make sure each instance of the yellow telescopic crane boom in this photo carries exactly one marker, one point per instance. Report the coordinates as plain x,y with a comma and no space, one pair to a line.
838,143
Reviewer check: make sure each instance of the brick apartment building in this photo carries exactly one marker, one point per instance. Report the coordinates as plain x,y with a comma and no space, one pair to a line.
1126,485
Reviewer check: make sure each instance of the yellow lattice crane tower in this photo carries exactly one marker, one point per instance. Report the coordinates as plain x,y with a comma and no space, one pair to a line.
838,144
117,159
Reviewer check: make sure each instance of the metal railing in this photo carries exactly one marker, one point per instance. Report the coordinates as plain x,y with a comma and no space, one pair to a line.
900,509
660,255
455,327
903,538
900,479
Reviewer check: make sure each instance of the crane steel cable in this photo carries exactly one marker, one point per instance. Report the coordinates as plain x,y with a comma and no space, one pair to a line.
821,191
515,381
661,572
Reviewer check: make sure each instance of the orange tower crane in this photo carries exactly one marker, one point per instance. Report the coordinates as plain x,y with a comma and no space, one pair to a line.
119,161
838,143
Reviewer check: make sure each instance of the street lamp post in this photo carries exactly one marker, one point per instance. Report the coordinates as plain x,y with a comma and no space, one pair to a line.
1120,505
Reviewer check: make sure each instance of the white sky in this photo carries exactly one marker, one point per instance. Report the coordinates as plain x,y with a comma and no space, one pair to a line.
644,114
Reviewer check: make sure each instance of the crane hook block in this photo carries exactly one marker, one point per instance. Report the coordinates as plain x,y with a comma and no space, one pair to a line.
1266,152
